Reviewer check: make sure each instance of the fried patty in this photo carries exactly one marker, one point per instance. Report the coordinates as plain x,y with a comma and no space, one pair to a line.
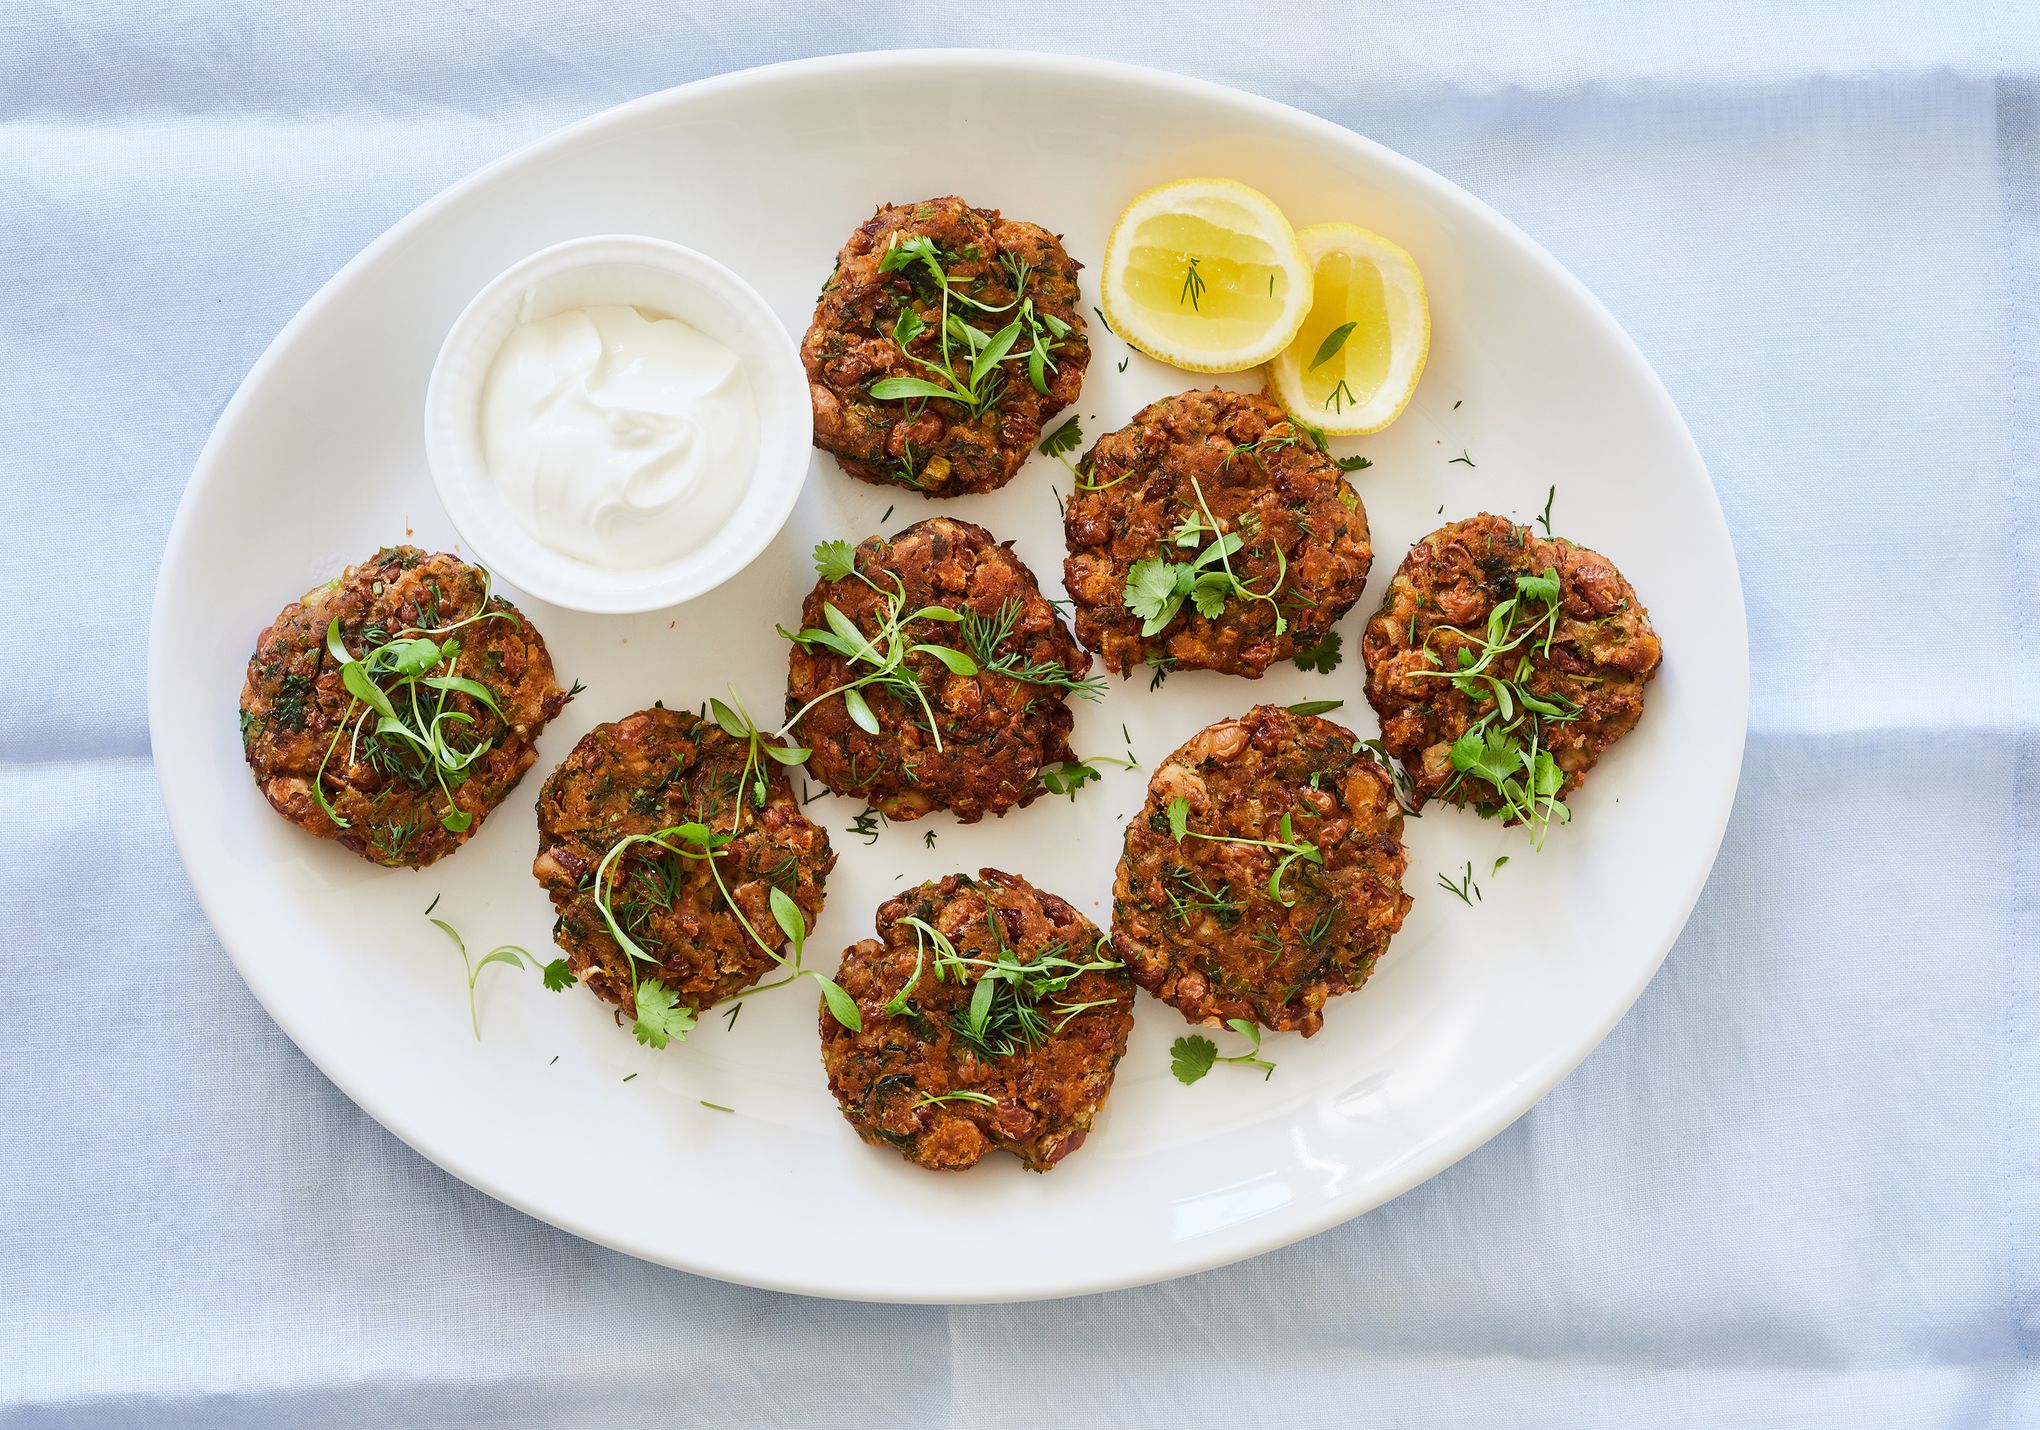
947,1069
997,726
1601,653
656,770
872,324
1151,493
391,802
1196,917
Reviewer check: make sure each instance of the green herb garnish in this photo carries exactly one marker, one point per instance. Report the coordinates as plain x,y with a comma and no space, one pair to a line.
1328,349
985,634
1322,655
1190,1058
1012,1001
1157,587
1505,749
1462,888
1069,776
1289,846
884,652
661,1019
1064,440
507,953
967,368
398,681
960,1095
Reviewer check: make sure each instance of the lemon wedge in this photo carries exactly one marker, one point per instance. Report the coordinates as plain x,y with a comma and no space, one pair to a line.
1355,361
1205,274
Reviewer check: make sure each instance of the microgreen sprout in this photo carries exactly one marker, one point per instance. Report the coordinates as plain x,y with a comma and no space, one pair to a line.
1506,748
959,1095
883,654
661,1018
967,369
1010,1005
1288,846
386,681
555,974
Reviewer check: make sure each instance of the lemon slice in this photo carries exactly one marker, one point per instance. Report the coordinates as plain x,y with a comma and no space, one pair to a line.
1205,274
1365,382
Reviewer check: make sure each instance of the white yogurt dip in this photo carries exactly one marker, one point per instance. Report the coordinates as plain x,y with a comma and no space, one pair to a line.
619,438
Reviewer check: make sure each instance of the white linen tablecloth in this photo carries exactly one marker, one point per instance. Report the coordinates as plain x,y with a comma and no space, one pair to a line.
1797,1186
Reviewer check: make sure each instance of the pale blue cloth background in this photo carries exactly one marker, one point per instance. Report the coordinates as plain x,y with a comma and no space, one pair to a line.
1797,1186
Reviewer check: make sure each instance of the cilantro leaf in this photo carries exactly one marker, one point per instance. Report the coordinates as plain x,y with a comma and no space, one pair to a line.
660,1019
1352,464
835,560
558,975
1209,592
906,251
1190,1058
1067,777
1323,656
1540,588
1179,817
1154,592
1492,754
1064,440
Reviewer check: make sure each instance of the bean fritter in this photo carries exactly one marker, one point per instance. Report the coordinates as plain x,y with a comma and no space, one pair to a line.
392,802
1264,873
885,313
654,770
1585,654
991,722
1292,528
993,1016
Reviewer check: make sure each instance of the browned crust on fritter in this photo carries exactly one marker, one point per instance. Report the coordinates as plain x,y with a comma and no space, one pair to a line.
653,770
997,732
849,347
1044,1099
294,698
1603,654
1263,478
1250,957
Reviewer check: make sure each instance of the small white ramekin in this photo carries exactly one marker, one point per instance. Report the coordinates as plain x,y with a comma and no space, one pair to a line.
662,278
